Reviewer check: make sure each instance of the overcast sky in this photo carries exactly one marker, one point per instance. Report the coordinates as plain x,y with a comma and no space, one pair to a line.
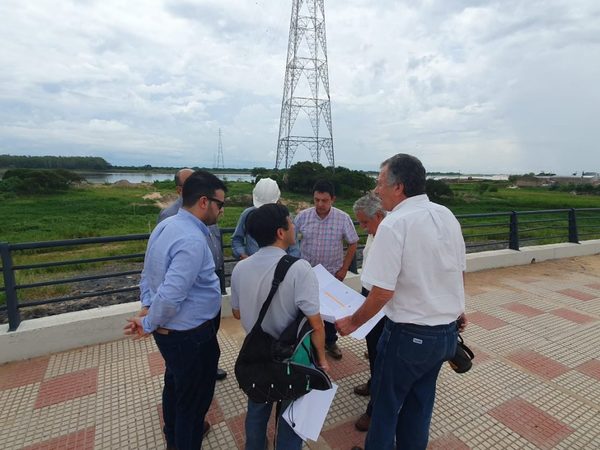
472,86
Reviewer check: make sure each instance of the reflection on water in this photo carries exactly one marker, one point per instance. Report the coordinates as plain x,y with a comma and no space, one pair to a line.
113,177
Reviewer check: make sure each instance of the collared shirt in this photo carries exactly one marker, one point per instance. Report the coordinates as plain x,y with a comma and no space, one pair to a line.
214,241
322,239
419,253
178,282
251,282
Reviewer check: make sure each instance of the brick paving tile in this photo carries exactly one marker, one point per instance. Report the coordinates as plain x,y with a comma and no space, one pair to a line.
574,293
344,436
236,426
80,440
214,414
533,424
474,290
594,286
486,321
538,364
22,373
67,387
526,279
522,309
573,316
447,442
590,368
156,363
348,365
480,356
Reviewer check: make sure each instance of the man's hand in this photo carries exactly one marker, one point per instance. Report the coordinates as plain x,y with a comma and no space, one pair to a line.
143,312
462,322
345,325
134,328
324,364
341,274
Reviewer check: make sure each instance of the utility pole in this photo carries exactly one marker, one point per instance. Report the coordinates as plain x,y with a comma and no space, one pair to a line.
306,87
220,162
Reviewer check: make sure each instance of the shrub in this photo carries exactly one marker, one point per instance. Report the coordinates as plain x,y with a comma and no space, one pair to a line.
438,190
37,181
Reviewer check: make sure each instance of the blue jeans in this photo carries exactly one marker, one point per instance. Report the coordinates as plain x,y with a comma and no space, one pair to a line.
256,428
409,358
191,364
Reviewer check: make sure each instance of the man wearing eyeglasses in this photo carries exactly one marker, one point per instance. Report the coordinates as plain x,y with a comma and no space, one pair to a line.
181,291
214,242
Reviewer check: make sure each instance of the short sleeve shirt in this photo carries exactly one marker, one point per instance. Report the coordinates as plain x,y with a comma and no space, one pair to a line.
251,282
419,253
322,240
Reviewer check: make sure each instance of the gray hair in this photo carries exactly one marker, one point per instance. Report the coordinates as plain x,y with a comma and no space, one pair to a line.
407,170
369,204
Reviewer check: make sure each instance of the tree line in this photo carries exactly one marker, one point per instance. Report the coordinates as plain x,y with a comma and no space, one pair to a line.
54,162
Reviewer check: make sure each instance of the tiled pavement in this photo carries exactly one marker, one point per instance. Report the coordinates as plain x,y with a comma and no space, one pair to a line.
536,382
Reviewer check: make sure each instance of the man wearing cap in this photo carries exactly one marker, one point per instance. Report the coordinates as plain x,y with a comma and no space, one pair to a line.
242,244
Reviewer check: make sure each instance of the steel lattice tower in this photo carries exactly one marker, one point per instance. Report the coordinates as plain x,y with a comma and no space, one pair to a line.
306,87
220,161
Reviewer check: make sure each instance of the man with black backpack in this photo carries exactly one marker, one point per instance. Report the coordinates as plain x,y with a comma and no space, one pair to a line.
251,281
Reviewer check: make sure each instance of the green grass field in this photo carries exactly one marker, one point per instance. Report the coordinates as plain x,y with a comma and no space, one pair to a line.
110,210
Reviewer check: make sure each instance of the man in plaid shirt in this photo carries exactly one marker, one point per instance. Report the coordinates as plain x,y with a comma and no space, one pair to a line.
323,230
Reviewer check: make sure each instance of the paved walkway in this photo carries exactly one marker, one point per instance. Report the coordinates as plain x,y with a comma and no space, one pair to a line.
535,329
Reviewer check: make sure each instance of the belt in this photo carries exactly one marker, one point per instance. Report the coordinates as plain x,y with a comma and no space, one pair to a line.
167,331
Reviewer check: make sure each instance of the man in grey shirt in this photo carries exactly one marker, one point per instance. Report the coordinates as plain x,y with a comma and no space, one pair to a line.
214,242
271,227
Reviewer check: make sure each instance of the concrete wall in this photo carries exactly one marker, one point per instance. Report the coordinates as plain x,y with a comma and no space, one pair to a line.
76,329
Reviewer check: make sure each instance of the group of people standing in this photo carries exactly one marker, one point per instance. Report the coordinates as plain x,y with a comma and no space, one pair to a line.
413,267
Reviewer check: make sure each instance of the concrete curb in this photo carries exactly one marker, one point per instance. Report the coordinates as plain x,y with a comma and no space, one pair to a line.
94,326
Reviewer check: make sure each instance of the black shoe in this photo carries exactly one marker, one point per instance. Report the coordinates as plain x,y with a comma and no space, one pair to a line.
334,351
221,374
363,390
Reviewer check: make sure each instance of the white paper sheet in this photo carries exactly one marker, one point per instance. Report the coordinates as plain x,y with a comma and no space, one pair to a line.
338,300
307,415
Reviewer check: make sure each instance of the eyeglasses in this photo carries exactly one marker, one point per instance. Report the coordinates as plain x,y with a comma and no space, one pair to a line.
220,203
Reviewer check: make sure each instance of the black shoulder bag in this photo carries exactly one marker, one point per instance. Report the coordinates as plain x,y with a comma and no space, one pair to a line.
266,368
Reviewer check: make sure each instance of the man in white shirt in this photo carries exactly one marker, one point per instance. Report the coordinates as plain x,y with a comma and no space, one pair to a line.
416,266
271,227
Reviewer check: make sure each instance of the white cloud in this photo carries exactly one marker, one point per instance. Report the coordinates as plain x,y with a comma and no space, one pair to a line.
481,86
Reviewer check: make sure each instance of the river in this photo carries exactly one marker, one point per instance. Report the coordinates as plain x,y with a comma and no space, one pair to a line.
139,177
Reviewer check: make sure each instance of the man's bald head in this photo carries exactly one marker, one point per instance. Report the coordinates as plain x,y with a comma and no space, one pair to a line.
181,176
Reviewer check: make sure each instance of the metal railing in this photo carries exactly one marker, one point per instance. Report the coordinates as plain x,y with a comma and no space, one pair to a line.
490,231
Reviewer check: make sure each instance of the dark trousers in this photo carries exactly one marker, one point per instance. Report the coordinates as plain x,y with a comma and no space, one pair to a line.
191,363
409,358
372,339
331,336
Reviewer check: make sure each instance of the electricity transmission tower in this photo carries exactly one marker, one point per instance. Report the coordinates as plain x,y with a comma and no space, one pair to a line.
220,162
306,87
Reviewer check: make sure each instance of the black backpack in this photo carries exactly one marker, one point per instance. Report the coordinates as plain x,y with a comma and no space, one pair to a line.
270,370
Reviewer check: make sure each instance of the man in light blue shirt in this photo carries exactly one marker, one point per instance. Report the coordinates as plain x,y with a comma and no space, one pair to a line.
182,293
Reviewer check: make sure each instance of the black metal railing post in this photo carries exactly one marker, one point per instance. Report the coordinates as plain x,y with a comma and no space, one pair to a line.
573,235
12,302
513,234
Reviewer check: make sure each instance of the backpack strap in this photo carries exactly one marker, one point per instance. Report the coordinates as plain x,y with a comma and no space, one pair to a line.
281,270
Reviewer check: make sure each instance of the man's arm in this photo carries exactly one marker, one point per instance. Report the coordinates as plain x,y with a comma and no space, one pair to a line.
238,238
318,339
341,274
376,299
179,278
